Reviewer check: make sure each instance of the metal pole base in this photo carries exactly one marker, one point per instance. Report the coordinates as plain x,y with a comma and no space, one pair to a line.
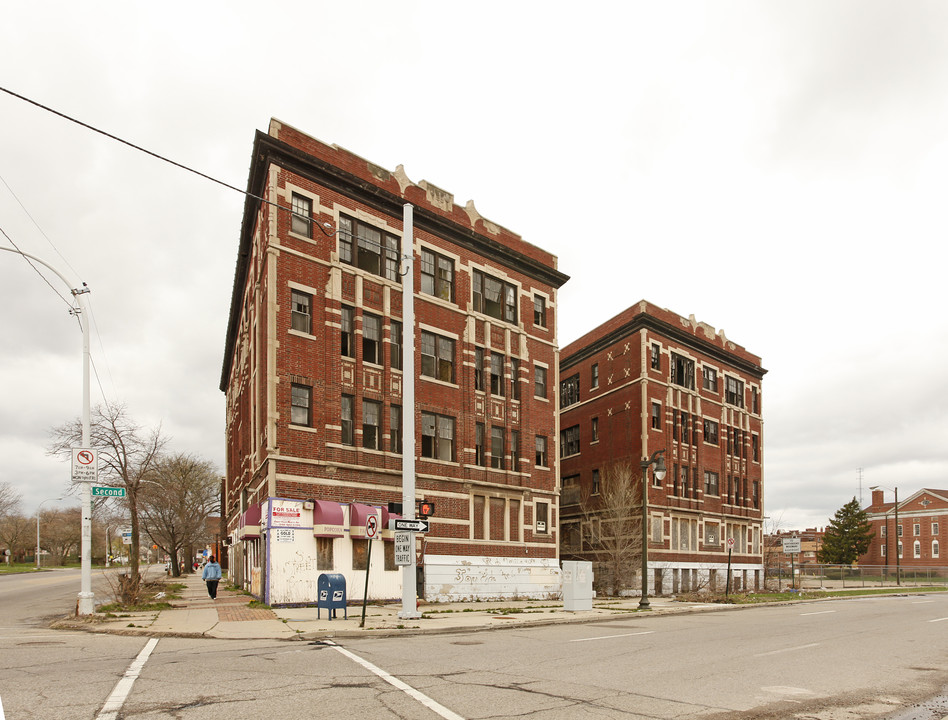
644,604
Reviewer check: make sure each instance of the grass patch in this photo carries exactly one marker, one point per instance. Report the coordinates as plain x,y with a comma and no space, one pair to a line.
754,598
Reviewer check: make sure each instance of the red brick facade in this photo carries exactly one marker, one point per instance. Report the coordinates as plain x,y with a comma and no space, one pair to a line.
649,380
312,369
921,530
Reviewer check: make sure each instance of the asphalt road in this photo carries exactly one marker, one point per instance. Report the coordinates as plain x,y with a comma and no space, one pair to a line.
852,659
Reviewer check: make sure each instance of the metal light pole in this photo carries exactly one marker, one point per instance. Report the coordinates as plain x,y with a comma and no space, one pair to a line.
86,605
658,460
38,527
898,568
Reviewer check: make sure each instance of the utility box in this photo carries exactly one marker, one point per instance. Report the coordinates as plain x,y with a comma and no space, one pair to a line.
331,591
577,585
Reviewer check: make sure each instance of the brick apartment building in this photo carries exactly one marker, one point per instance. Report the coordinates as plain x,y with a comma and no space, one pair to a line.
313,379
647,380
921,529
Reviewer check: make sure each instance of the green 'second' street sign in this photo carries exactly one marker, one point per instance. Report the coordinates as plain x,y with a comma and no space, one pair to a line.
107,491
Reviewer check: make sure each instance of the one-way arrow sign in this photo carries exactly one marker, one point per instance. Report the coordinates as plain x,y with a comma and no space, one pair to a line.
421,526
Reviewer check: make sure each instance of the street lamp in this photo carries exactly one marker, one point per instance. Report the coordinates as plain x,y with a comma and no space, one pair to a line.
898,575
658,460
38,527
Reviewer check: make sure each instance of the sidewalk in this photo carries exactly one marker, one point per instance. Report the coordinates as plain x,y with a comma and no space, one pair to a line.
231,617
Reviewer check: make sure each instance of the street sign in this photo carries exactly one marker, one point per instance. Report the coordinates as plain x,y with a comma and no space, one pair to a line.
371,526
730,543
85,465
791,546
403,548
107,491
421,526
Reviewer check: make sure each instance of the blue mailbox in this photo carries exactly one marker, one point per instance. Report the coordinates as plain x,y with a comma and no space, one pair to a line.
331,589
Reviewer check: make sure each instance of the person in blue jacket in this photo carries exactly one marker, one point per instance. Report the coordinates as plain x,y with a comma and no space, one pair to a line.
212,576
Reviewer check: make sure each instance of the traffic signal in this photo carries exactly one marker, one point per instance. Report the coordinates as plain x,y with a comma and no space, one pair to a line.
395,508
425,509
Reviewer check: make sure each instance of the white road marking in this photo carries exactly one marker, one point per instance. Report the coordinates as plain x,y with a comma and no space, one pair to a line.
821,612
1,709
938,619
792,649
112,706
921,602
432,705
607,637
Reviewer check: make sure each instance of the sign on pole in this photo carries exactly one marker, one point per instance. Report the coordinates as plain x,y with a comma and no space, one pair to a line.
98,491
791,546
85,465
372,526
421,526
403,548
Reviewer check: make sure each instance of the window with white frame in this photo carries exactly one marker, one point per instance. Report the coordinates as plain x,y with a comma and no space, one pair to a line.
539,381
935,549
655,356
916,529
569,391
709,378
917,549
496,374
733,391
346,319
497,448
710,432
301,221
437,275
569,441
514,378
437,436
710,482
682,371
348,434
301,313
539,311
934,528
437,357
494,297
371,419
543,517
371,339
301,403
395,429
541,452
656,416
396,345
369,248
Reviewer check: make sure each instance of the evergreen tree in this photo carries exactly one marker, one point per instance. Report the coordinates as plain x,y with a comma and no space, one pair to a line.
847,536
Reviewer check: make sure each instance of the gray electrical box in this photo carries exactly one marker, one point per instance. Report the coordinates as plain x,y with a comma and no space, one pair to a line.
577,585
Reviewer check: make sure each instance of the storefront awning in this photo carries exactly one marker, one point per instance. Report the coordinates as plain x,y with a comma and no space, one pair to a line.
249,525
358,517
327,519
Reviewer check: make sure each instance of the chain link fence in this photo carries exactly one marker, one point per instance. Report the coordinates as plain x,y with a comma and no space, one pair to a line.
809,576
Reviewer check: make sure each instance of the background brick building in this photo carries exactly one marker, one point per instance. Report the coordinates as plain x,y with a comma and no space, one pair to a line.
649,380
313,378
920,531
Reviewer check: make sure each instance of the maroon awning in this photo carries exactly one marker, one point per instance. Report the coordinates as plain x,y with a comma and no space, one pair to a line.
249,525
358,517
328,519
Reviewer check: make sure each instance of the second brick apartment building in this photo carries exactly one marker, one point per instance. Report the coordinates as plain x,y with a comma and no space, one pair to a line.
648,380
313,377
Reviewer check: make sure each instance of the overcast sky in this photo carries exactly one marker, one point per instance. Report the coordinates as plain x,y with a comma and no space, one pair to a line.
777,169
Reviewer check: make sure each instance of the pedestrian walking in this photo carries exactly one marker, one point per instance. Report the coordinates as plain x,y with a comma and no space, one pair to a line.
212,576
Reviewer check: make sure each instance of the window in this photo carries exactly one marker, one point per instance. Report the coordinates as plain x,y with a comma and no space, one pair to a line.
539,311
917,549
374,251
756,496
348,437
712,534
496,374
324,557
494,297
371,414
437,436
541,459
656,416
682,371
733,391
480,458
395,428
684,426
437,357
371,339
710,432
437,275
755,448
569,391
709,378
514,378
396,349
755,400
348,342
594,376
710,483
899,548
497,448
916,529
479,369
595,482
883,550
301,220
301,311
360,554
569,441
655,355
539,381
935,549
884,528
543,517
934,528
595,430
898,530
515,450
300,404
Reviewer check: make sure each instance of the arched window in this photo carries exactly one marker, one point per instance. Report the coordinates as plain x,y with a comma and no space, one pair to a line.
935,549
917,549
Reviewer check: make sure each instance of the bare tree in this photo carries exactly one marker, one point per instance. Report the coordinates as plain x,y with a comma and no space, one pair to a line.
179,494
613,523
127,454
17,535
61,533
10,500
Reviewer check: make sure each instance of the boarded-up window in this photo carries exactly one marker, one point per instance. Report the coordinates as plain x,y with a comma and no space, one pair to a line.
497,517
324,557
479,517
